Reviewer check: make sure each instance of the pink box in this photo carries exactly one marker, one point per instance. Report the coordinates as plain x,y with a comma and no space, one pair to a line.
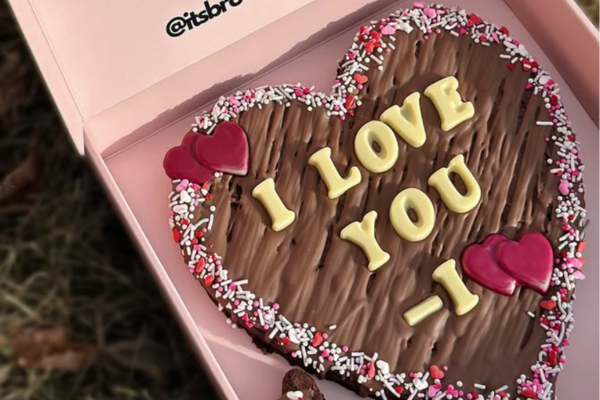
128,92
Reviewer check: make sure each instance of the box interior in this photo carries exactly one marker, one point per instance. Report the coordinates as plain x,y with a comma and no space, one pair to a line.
132,169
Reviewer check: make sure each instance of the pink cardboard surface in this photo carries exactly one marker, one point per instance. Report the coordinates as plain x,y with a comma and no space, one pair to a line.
112,67
134,176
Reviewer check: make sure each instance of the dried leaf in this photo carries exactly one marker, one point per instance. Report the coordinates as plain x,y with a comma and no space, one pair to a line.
19,183
50,349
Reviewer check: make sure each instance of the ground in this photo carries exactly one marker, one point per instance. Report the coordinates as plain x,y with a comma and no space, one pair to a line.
80,317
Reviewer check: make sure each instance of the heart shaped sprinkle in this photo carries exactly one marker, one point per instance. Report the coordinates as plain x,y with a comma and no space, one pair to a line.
548,304
388,30
430,12
183,185
529,260
563,187
433,390
435,372
361,79
226,150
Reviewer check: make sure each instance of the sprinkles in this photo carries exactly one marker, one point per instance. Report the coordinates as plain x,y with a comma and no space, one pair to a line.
308,345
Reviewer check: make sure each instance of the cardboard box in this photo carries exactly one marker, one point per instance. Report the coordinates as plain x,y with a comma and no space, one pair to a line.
128,91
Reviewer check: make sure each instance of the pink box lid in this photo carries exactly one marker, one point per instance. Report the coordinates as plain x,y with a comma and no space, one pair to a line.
94,55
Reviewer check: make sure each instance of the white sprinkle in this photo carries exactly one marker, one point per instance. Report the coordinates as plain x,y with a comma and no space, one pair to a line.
545,123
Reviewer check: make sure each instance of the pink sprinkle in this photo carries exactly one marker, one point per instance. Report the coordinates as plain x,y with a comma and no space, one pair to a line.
579,275
275,306
345,349
183,185
388,30
325,336
430,12
432,391
419,4
563,188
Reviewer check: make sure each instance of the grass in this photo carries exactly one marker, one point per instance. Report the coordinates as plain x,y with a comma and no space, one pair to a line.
66,262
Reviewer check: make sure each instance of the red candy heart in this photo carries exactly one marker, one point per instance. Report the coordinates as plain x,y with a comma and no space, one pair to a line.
189,140
435,372
548,304
180,164
529,260
226,150
479,264
361,78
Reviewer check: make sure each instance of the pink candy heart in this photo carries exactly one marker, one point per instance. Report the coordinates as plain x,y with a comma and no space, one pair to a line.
529,260
200,156
226,150
479,264
180,164
500,264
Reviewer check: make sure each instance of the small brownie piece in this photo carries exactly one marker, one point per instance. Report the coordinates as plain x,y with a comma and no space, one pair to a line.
298,385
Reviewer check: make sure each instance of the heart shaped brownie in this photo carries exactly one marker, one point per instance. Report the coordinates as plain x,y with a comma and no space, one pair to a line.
340,247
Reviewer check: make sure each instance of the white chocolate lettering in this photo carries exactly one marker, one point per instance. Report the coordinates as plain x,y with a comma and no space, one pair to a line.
362,234
447,276
281,216
424,309
407,121
335,183
452,110
381,134
455,201
423,207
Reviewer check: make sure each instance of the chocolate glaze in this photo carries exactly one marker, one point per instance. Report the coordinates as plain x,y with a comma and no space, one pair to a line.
320,279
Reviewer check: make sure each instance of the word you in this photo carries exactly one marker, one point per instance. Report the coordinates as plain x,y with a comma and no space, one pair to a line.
406,122
190,20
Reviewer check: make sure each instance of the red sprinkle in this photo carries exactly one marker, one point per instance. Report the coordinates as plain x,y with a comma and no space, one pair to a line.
361,78
286,341
208,280
529,393
349,101
435,372
399,389
317,340
200,265
376,35
475,18
371,372
175,235
548,304
553,358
